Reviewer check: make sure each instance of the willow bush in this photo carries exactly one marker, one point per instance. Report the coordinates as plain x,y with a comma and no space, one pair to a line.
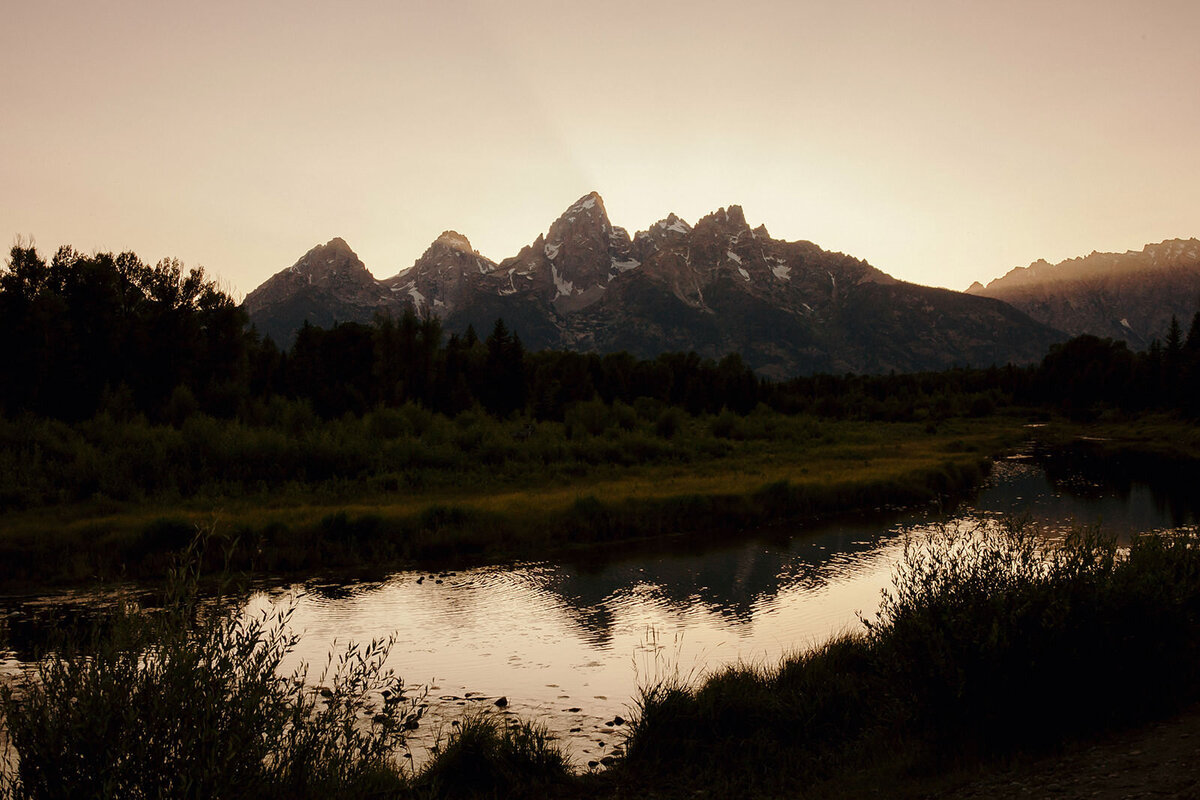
189,701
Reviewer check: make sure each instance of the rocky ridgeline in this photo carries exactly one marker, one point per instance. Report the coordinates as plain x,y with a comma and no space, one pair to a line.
715,288
1130,296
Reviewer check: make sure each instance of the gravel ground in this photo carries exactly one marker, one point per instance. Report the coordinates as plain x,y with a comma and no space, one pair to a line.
1159,760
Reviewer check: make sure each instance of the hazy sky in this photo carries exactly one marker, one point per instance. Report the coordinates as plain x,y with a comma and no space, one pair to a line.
943,141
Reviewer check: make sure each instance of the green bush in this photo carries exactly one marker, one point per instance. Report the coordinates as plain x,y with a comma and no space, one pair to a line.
726,425
588,418
669,422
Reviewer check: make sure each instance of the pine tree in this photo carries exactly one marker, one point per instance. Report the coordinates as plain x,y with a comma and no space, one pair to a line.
1192,344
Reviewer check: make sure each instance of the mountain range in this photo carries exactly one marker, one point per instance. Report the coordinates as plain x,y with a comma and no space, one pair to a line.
716,287
1130,296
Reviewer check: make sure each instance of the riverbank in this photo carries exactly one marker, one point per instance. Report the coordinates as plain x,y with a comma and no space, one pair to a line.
1157,759
988,653
1158,437
545,494
990,657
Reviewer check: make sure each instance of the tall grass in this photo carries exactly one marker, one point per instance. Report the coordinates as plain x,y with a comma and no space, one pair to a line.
990,640
1003,638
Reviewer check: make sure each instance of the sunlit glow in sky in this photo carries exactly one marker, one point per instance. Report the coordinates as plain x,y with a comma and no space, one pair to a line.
944,141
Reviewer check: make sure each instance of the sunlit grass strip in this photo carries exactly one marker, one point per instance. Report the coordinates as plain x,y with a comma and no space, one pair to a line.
1153,435
851,467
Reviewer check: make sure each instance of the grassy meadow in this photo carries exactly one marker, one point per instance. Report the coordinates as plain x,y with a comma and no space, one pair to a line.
105,497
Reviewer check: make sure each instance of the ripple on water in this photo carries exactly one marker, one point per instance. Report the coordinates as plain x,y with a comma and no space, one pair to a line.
569,645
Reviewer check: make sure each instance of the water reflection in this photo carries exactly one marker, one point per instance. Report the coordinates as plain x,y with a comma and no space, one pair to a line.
569,643
1069,489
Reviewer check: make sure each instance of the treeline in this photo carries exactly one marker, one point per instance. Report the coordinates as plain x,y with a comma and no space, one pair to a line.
102,333
352,368
1088,374
1080,378
85,335
81,333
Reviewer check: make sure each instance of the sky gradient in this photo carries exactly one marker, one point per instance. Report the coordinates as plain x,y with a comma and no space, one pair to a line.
944,142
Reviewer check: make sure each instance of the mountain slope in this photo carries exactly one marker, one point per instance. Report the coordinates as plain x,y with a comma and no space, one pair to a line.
1129,296
714,288
328,284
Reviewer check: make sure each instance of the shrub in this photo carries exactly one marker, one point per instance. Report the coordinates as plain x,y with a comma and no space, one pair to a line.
991,639
588,418
669,422
983,628
726,425
189,702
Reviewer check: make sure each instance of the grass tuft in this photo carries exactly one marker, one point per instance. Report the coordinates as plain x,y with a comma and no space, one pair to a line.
491,754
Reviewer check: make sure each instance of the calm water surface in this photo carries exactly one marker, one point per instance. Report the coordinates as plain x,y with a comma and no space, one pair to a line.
568,644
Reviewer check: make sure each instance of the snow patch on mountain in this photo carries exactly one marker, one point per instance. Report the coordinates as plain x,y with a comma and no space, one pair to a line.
564,286
583,205
677,226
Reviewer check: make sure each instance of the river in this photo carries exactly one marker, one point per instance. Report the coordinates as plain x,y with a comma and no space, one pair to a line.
569,643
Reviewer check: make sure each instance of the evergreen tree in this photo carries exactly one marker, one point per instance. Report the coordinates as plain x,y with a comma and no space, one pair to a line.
504,388
1192,344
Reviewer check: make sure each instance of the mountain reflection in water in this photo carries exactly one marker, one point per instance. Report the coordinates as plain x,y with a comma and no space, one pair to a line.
569,643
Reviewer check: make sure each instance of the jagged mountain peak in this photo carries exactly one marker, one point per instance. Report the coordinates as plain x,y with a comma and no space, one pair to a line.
731,217
588,201
334,253
585,217
443,279
1168,253
449,251
713,288
455,240
1172,250
670,224
327,284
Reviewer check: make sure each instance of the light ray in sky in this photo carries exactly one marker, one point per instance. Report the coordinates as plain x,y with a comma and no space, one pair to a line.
943,141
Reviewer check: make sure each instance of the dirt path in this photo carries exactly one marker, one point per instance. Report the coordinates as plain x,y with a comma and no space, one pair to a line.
1159,760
